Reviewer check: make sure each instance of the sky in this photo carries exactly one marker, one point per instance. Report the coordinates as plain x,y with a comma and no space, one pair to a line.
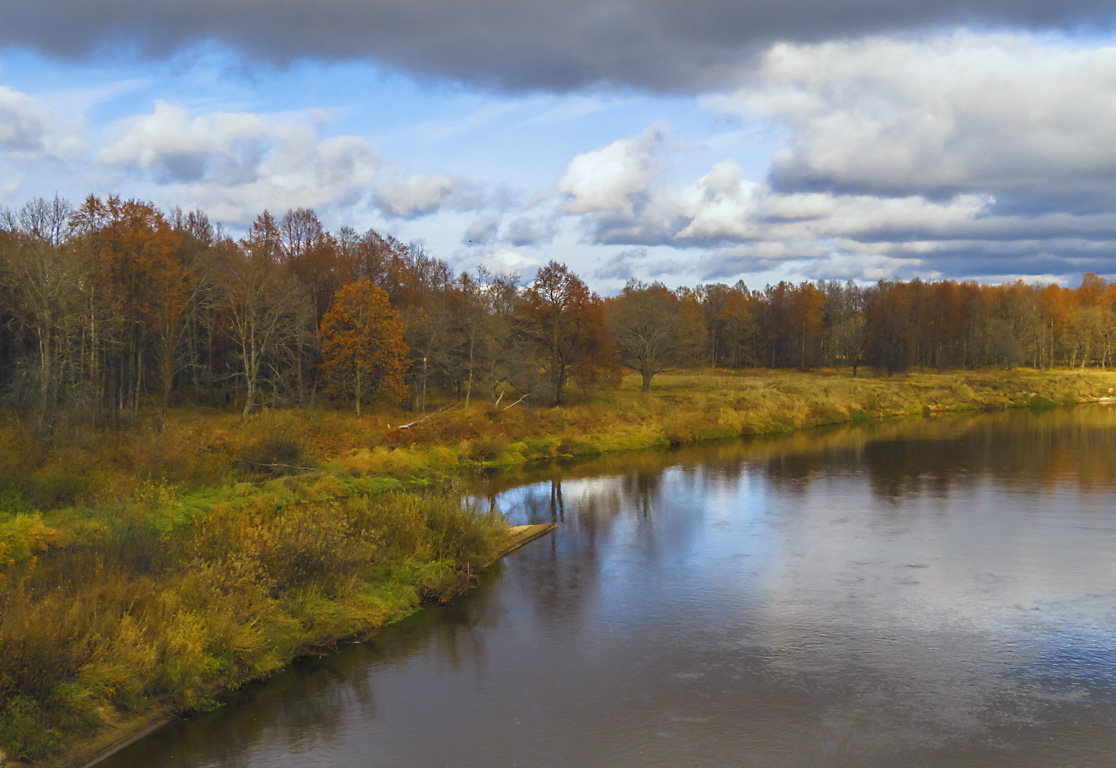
682,142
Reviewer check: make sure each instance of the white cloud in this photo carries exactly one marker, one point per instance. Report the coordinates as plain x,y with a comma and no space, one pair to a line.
721,204
724,207
865,216
613,178
29,131
236,164
188,148
418,195
507,261
936,156
1001,113
9,187
23,122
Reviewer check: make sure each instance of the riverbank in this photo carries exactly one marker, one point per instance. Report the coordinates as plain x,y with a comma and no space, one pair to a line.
684,409
159,568
163,602
126,732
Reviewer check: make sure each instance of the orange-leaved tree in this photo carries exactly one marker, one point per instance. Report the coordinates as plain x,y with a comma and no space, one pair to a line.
363,347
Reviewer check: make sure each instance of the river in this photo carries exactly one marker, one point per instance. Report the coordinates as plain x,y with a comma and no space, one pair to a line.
935,593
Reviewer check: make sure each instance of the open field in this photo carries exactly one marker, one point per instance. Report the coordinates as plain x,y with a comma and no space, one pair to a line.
147,571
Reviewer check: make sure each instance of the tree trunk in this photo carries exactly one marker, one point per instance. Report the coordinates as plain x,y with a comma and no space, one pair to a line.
469,380
356,392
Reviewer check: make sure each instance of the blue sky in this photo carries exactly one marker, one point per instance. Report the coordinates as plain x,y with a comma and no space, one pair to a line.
699,141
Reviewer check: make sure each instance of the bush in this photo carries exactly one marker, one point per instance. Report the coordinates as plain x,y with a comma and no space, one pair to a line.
24,732
275,445
484,451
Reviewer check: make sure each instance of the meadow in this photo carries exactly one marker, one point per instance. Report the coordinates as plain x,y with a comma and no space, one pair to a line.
147,571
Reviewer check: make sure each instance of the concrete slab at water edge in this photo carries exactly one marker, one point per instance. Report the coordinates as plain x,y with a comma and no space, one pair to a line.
522,535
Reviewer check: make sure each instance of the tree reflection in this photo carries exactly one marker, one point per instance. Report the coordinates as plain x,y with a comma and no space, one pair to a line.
930,457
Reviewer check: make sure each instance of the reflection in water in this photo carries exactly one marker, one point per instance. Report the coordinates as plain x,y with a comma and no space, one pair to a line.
937,593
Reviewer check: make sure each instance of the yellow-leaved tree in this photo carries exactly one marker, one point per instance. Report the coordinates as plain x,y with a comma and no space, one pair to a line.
363,348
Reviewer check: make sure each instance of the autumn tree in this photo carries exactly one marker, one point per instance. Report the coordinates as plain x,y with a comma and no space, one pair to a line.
423,299
476,339
137,298
363,347
714,298
652,330
740,331
808,304
891,330
565,324
845,323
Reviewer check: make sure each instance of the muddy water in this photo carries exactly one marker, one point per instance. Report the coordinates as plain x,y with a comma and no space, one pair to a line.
934,594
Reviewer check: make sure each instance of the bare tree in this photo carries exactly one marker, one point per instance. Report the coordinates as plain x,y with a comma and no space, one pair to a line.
652,330
267,312
44,276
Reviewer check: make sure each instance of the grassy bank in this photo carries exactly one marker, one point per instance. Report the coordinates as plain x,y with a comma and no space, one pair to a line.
162,602
150,571
683,409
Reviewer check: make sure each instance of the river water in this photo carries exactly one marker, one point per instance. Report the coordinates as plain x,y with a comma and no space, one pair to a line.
939,593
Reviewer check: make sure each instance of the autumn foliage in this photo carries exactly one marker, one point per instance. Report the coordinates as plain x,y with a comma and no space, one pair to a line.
114,308
363,347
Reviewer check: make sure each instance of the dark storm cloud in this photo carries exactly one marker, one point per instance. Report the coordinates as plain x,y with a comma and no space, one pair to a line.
657,44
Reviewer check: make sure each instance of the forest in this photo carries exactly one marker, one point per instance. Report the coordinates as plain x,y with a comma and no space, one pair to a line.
114,305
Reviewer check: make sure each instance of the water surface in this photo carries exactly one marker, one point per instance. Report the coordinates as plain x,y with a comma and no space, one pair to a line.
939,593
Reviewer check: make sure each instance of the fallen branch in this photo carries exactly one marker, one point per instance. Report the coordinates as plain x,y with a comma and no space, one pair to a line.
410,424
517,402
276,465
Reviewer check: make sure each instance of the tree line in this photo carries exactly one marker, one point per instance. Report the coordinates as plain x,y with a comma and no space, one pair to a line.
114,304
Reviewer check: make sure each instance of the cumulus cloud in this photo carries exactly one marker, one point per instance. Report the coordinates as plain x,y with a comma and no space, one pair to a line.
955,154
640,263
226,147
1003,114
622,264
656,44
23,122
28,131
721,205
236,164
614,177
417,195
509,261
619,190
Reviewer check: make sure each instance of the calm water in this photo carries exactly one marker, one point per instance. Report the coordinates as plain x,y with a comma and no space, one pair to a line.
935,594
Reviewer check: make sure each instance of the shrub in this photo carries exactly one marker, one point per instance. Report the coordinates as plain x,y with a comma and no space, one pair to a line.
275,445
484,451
